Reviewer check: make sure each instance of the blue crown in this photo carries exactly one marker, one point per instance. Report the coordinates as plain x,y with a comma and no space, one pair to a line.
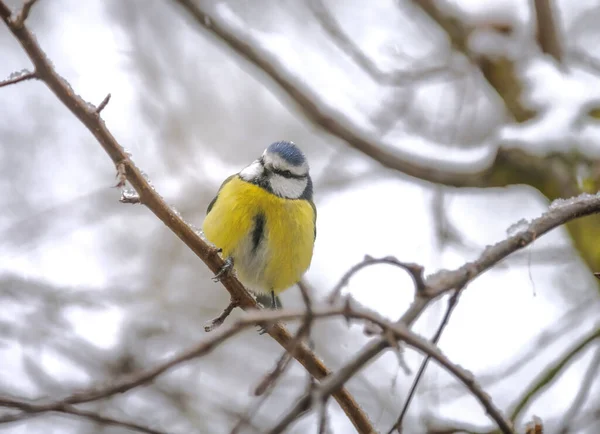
288,151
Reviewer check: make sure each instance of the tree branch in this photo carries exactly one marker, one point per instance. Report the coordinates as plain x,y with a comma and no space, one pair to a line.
329,119
548,376
400,332
452,301
250,319
547,33
30,409
159,207
552,176
18,77
448,280
584,390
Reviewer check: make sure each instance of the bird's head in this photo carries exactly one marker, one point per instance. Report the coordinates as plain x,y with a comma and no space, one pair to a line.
283,170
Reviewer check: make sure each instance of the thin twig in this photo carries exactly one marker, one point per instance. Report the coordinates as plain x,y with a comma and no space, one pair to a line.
415,271
18,77
250,319
584,390
31,409
548,376
562,325
213,324
452,302
103,104
404,334
19,20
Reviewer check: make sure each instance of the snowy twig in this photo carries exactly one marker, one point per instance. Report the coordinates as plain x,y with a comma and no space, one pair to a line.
154,202
444,281
17,78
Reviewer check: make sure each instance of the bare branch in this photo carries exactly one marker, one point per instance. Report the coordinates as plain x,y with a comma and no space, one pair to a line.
547,32
548,376
303,331
18,77
213,324
328,118
402,333
584,391
30,409
452,302
415,271
19,20
250,319
562,325
160,208
446,280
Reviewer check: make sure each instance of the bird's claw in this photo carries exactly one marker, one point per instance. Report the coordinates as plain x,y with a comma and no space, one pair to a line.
227,266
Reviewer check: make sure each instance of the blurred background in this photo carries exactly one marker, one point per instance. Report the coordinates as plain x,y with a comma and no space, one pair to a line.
431,127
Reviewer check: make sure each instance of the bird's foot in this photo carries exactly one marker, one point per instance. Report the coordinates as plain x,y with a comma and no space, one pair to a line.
268,301
226,268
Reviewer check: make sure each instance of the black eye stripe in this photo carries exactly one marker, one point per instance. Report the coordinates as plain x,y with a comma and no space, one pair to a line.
287,174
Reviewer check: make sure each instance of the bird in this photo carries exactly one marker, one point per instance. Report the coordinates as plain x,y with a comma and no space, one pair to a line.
263,221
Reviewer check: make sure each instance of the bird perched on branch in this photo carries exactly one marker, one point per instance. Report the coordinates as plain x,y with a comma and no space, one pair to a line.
264,221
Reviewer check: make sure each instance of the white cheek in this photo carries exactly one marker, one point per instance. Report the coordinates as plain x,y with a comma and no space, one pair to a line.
287,187
252,171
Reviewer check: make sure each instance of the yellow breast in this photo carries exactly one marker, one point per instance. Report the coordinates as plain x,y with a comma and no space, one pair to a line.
286,245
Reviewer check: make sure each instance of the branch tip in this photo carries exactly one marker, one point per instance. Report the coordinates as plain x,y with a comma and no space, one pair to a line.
215,323
103,104
19,20
17,77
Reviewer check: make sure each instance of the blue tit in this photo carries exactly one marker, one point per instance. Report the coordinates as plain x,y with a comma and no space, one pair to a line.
263,220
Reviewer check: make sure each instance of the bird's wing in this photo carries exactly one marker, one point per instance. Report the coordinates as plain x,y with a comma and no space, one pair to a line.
212,202
315,216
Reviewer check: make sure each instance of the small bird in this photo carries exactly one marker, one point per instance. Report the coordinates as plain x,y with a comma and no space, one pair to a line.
263,220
